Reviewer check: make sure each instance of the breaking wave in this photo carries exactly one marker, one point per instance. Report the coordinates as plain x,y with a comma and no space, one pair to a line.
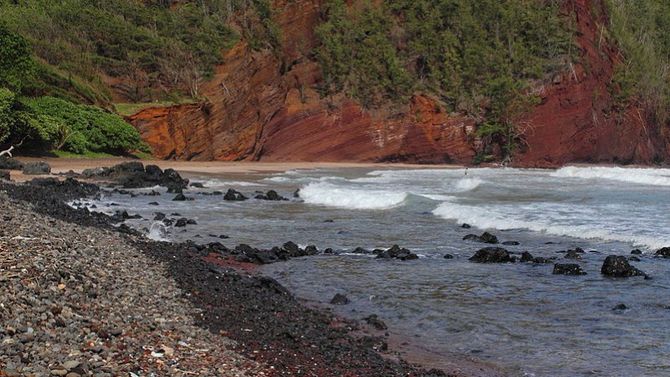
486,218
655,177
326,194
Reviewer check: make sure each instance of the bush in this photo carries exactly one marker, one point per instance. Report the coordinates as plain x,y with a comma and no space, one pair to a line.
16,63
81,128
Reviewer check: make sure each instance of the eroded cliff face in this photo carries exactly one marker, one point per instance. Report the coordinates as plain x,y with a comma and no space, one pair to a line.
263,105
578,120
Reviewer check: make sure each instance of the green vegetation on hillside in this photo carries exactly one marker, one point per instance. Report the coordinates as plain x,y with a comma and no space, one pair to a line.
52,123
146,50
478,57
641,29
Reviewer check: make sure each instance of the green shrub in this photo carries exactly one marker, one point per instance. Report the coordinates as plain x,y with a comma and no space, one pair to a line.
81,128
16,63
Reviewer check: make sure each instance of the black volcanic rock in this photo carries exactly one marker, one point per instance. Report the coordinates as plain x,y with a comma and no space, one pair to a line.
618,266
568,269
492,255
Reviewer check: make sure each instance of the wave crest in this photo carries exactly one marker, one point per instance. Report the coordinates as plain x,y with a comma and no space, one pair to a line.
654,177
330,195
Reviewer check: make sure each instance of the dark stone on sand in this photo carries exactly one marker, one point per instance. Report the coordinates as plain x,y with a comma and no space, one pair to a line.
233,195
448,256
374,321
133,174
618,266
4,174
486,237
492,255
10,163
396,252
620,307
664,252
572,269
636,252
36,168
339,299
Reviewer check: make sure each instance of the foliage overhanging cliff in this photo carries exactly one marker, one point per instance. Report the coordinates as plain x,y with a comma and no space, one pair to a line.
537,82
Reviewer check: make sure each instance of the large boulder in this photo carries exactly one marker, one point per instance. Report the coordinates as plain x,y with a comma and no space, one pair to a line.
568,269
36,168
617,266
492,255
9,163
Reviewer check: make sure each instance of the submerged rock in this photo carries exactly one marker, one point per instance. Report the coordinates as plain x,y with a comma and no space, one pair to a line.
620,307
511,243
568,269
448,256
339,299
133,174
486,237
492,255
637,252
618,266
233,195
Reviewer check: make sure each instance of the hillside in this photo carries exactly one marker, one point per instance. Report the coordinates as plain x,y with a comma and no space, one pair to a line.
532,82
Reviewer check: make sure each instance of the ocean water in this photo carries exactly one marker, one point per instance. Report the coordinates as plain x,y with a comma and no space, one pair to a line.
517,316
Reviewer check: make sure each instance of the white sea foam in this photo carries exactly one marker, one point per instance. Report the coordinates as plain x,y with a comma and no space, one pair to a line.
158,232
467,184
220,183
487,218
655,177
331,195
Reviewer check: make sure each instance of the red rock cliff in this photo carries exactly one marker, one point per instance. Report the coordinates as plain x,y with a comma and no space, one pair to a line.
260,106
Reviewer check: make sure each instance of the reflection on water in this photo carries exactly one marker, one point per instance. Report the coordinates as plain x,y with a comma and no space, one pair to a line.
519,316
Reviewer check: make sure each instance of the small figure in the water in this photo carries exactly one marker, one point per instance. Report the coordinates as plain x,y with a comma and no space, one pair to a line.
466,171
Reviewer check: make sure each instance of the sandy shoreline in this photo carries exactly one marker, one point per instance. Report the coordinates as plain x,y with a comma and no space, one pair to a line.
190,168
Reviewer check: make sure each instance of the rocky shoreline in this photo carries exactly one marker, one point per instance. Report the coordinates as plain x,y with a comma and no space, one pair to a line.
82,297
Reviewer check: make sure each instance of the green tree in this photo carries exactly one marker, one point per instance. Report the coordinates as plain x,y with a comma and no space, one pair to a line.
16,63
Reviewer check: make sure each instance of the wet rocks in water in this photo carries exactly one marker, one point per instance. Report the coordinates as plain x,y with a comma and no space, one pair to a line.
617,266
10,163
180,198
633,258
568,269
448,256
638,252
492,255
36,168
153,203
486,237
233,195
573,254
396,252
180,223
374,321
466,226
620,307
664,252
197,185
339,299
159,216
526,257
270,195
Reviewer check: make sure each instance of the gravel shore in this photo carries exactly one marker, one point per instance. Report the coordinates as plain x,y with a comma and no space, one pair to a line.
79,300
80,297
